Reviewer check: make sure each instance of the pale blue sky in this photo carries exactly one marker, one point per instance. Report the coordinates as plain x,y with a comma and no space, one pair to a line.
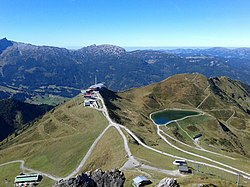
66,23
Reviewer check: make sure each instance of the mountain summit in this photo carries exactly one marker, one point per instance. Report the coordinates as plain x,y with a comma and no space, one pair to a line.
4,44
104,49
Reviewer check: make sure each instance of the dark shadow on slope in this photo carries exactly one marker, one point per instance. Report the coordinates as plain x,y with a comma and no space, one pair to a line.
109,96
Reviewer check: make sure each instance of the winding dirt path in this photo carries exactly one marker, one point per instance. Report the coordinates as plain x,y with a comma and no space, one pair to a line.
85,158
132,162
23,168
244,174
196,148
235,170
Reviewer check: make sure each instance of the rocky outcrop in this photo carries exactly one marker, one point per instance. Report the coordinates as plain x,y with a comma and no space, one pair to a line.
168,182
98,178
4,44
206,185
100,50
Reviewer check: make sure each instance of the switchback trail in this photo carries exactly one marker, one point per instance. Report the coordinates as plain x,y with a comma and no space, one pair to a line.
132,161
235,170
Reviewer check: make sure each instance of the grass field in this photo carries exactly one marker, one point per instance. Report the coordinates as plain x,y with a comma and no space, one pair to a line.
47,99
57,142
133,107
46,182
108,154
239,162
10,171
149,157
154,177
8,174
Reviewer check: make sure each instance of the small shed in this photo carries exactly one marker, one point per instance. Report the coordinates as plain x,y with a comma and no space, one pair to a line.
180,162
140,181
86,103
97,86
197,136
88,95
183,168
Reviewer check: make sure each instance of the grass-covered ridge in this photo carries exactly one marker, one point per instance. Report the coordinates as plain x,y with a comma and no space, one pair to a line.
224,121
193,92
58,141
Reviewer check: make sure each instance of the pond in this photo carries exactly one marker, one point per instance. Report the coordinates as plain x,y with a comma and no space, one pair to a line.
165,116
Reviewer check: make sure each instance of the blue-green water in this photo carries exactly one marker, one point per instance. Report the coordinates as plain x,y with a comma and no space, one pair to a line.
165,116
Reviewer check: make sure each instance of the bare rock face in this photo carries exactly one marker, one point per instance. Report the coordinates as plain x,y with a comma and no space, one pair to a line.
168,182
98,178
207,185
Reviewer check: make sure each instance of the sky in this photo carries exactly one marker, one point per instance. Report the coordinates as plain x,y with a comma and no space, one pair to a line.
131,23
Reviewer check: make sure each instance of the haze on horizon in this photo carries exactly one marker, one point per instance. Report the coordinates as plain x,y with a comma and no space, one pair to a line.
130,23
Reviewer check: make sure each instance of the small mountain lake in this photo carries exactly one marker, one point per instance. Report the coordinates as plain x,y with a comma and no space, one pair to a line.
165,116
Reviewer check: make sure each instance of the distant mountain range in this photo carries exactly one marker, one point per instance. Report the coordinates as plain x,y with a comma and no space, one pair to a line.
27,70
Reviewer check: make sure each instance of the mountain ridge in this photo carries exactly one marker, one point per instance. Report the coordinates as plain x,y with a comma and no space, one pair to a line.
192,92
61,72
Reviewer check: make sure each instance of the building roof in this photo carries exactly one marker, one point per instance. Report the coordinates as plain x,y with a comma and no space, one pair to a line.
26,178
98,85
83,91
90,98
179,162
139,179
183,168
197,136
88,95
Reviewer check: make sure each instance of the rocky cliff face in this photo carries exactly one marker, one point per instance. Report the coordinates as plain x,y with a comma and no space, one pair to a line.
98,178
168,182
100,50
4,44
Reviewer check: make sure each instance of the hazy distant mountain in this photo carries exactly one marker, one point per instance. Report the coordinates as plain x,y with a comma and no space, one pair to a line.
27,69
242,53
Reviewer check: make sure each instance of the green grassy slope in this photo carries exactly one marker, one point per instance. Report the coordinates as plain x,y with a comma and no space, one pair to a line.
57,142
132,108
15,114
108,154
224,125
8,173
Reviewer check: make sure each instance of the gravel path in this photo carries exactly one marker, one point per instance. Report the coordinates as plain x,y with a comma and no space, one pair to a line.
23,168
132,162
